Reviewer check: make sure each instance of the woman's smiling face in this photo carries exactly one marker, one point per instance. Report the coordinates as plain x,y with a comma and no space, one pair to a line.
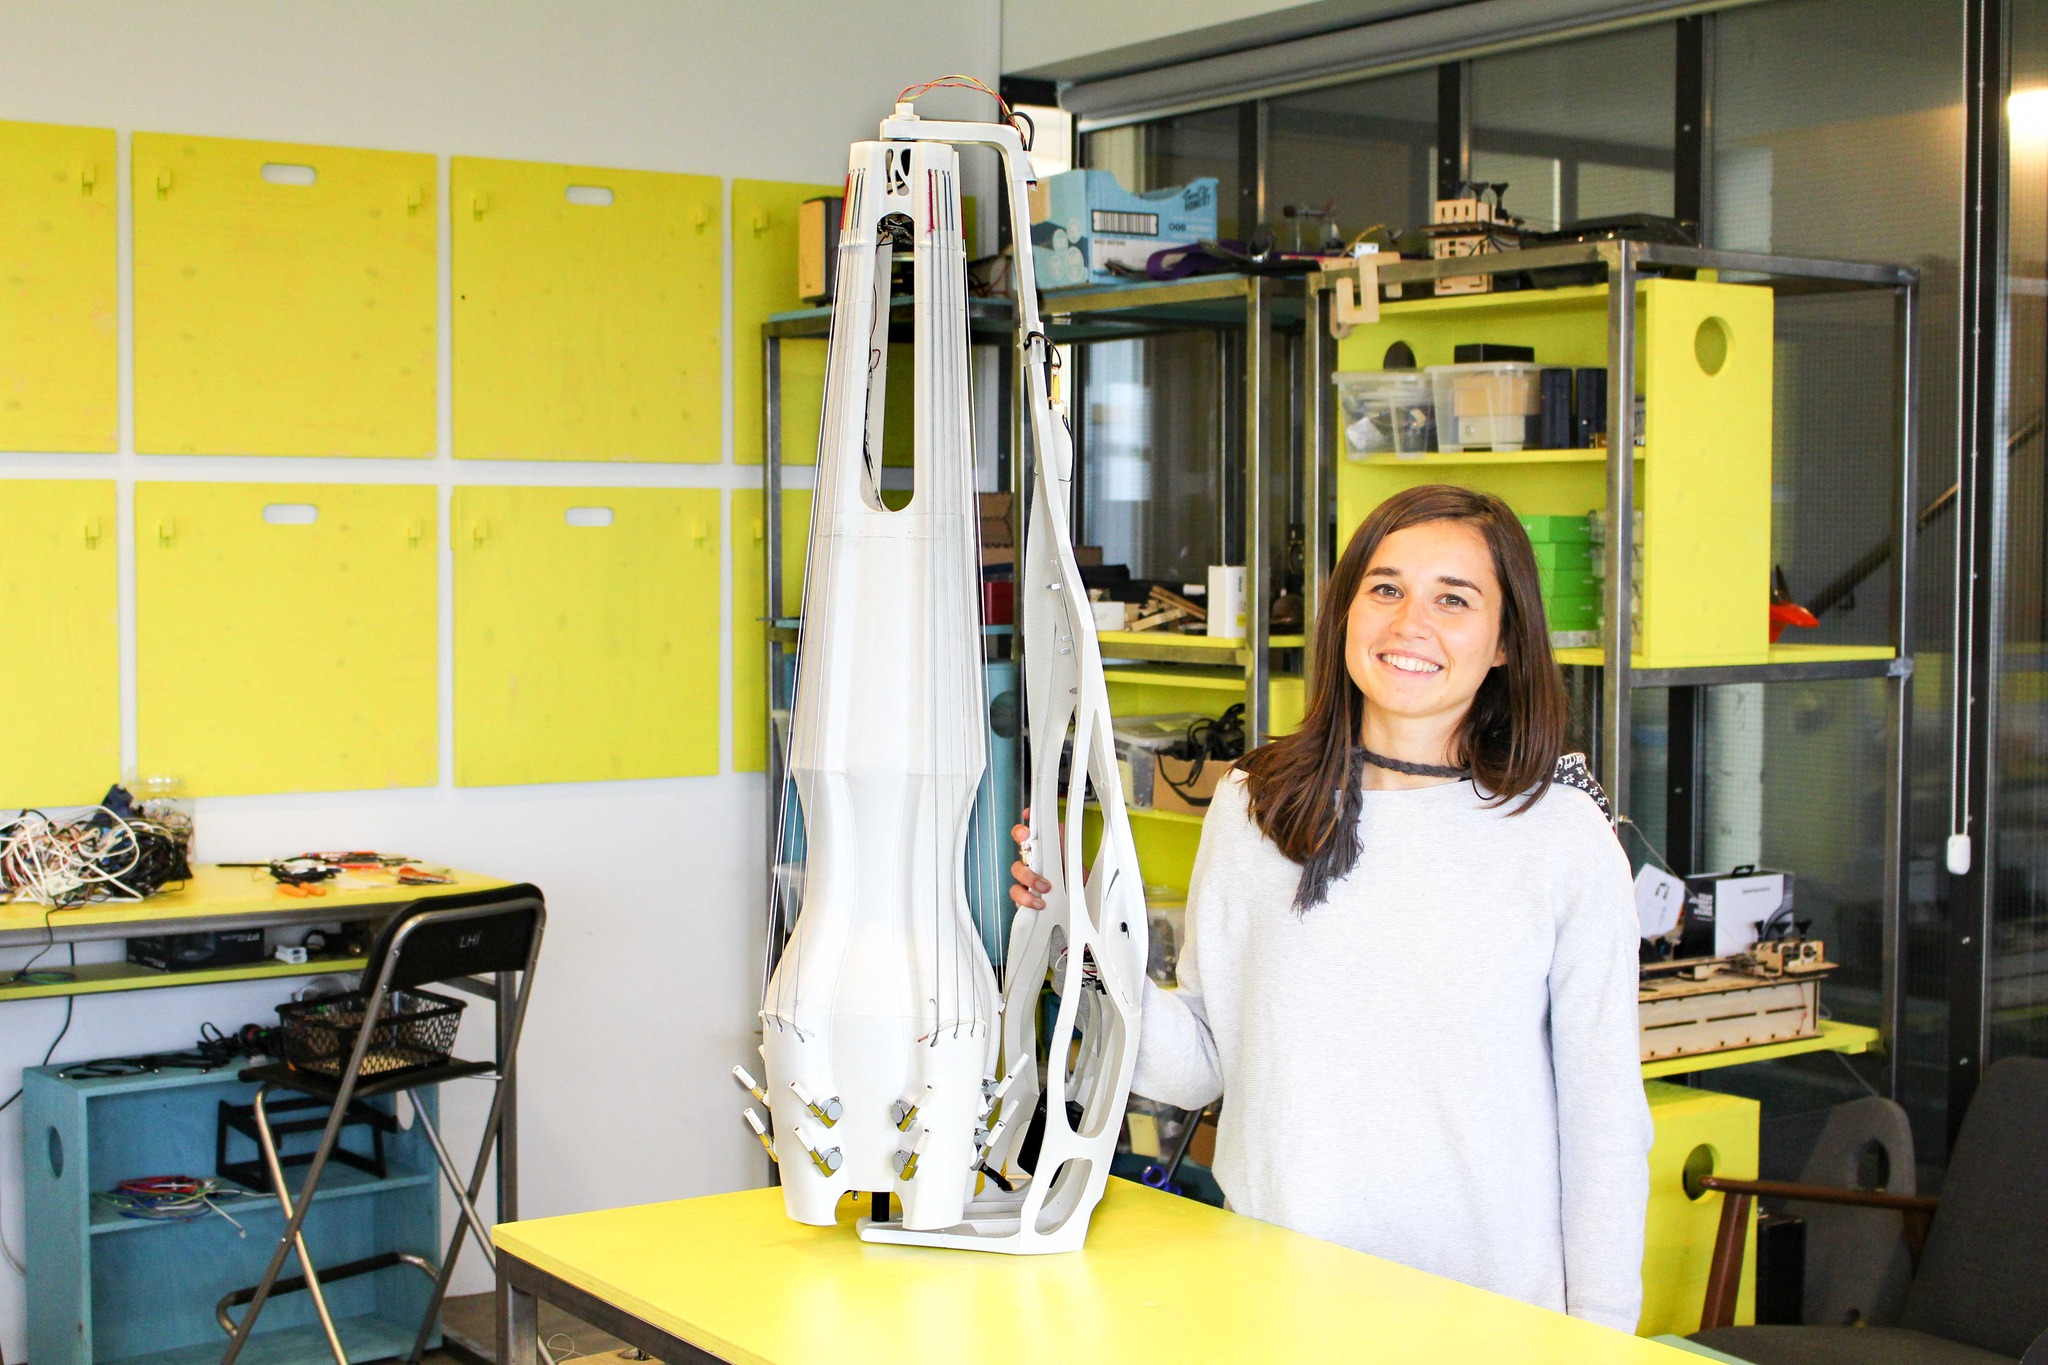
1425,627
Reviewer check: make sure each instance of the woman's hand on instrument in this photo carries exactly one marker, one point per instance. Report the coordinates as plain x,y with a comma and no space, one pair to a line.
1029,888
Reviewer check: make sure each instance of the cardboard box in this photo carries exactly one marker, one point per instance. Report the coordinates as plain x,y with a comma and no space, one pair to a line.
817,247
1083,222
1178,787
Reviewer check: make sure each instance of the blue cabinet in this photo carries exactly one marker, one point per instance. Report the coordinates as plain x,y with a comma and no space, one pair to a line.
105,1288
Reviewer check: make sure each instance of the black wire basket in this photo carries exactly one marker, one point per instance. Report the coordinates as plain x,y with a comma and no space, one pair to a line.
416,1030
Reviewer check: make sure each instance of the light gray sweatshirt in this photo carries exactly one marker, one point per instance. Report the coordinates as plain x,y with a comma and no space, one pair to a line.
1439,1064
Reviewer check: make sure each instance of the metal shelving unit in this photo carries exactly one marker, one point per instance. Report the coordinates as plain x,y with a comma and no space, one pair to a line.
1615,675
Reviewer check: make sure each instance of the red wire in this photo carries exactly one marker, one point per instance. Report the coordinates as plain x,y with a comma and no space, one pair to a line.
957,82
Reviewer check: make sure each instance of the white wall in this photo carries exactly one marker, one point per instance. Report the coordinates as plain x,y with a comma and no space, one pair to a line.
651,972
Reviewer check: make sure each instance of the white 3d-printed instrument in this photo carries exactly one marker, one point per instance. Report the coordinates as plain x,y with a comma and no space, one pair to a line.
895,1063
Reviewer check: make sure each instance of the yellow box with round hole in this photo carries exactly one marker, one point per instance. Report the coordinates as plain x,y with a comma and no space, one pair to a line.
1719,1135
1704,356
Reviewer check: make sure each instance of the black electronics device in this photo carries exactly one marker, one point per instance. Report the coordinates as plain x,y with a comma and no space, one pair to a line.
1555,389
1590,408
195,952
1489,352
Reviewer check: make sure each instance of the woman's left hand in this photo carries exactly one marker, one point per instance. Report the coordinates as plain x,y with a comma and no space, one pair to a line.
1030,888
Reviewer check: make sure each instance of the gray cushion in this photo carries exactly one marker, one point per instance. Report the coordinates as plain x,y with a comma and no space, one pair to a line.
1842,1346
1983,1279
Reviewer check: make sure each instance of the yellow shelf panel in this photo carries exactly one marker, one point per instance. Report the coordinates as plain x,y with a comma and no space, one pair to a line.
1171,817
58,297
1833,1038
1188,675
1486,457
284,299
58,593
1222,645
1574,298
103,978
1593,656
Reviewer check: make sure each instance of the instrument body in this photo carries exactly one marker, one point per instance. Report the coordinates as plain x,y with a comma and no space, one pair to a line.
895,1062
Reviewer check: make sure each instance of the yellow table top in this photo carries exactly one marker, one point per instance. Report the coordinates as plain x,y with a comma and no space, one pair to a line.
1162,1278
216,891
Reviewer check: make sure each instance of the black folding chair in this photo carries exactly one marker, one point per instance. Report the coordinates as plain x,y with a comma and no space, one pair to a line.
473,942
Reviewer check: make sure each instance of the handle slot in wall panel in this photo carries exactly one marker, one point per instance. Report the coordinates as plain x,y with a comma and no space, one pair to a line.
282,313
294,655
585,653
588,313
58,611
59,356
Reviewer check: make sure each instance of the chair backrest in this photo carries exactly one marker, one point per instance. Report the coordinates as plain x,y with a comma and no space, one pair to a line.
1857,1266
1983,1279
471,933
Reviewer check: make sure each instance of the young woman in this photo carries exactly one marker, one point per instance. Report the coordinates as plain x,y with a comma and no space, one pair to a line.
1410,965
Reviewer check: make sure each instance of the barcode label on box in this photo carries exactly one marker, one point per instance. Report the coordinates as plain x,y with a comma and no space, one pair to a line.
1126,224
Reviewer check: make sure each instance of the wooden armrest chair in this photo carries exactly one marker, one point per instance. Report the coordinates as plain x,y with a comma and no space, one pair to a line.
1980,1280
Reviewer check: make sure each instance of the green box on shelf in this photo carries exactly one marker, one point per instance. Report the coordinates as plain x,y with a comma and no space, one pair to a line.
1572,613
1552,555
1555,530
1568,583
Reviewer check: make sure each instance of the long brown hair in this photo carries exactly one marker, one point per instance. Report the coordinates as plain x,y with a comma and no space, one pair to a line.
1305,787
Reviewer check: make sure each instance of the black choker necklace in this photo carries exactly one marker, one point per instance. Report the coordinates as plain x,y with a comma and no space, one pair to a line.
1398,765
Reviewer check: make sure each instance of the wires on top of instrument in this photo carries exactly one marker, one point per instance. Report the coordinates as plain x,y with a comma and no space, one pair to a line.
1014,117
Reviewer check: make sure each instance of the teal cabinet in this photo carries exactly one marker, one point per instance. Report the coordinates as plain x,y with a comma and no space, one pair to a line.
106,1288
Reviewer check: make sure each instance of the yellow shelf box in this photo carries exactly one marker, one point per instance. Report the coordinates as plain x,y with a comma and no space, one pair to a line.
1703,473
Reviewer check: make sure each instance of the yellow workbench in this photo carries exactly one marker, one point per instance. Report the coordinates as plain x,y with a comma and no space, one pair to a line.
215,898
728,1278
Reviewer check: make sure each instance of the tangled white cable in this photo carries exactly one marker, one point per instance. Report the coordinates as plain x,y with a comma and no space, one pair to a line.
61,863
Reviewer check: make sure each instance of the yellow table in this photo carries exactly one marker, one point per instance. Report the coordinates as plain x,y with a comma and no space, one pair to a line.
215,898
727,1278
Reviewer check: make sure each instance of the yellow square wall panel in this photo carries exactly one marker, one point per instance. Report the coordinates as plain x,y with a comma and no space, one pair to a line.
59,356
749,632
588,313
58,606
1718,1134
586,633
285,299
764,283
286,635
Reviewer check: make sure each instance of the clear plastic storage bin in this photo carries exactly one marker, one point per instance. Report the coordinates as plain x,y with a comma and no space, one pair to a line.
1386,412
1491,405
